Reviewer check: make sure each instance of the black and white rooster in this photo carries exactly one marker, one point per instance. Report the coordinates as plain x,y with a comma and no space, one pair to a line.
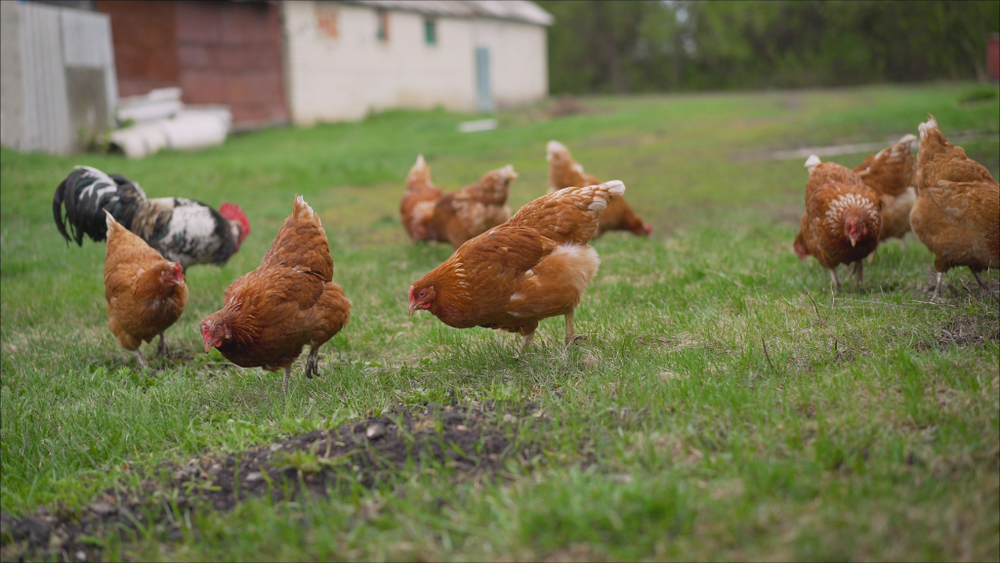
182,230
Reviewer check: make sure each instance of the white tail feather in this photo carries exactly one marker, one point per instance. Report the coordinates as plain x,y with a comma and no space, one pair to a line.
924,127
812,162
300,201
553,147
507,172
614,187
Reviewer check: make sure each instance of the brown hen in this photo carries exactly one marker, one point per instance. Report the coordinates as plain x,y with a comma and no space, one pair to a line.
890,172
534,266
565,172
289,301
146,293
958,212
842,221
417,206
472,210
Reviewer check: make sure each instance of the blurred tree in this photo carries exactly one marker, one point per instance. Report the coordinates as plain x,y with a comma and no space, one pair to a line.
686,45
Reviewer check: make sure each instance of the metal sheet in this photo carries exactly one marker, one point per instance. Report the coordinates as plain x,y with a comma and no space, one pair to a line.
46,106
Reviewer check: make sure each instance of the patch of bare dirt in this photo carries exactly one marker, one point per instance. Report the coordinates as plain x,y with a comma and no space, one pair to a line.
566,105
472,439
972,330
962,285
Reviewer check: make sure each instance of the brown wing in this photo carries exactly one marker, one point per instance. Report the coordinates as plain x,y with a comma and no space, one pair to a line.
481,277
569,214
509,250
126,257
491,189
891,170
976,204
939,160
829,173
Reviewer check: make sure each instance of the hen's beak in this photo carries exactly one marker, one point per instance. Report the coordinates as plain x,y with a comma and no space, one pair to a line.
208,346
854,241
413,307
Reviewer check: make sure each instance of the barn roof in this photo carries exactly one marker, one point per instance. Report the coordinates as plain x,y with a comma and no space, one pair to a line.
512,10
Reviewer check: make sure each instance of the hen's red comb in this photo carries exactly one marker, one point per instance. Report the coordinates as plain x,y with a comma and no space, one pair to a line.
233,212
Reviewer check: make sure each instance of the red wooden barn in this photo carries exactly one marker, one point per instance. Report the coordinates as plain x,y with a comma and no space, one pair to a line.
216,52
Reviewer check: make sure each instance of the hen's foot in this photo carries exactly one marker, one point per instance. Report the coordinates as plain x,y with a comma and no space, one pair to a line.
836,280
312,364
284,384
524,345
980,280
161,348
138,356
937,287
572,339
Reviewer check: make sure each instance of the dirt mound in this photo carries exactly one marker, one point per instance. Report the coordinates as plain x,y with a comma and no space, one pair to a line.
471,439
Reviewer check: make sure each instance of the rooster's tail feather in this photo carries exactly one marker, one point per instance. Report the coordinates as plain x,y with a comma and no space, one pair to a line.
80,200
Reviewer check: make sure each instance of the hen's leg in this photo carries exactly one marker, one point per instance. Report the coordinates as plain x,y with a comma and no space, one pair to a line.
836,280
979,279
161,349
858,267
138,356
871,257
937,286
902,244
571,336
312,364
284,384
524,344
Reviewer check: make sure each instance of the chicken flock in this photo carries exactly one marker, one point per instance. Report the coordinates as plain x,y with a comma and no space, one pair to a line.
507,272
951,203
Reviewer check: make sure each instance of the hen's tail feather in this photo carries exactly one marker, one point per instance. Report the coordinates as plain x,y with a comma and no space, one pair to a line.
80,200
553,148
812,162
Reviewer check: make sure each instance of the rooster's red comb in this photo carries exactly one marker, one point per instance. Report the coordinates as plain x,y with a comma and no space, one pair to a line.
233,212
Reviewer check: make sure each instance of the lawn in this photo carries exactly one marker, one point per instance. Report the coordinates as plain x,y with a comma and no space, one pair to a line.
726,405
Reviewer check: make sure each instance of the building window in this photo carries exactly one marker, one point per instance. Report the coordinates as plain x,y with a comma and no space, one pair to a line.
382,33
430,32
326,20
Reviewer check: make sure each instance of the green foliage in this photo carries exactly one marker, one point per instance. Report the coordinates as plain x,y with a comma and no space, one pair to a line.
646,46
979,94
668,434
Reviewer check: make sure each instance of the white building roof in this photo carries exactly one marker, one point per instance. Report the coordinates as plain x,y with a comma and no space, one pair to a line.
513,10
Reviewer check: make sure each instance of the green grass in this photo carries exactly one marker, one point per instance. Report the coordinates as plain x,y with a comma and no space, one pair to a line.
868,429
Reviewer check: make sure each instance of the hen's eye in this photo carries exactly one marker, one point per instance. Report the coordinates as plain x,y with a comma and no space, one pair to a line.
423,293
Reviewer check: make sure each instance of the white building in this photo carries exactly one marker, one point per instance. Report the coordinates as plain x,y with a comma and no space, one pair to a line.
344,59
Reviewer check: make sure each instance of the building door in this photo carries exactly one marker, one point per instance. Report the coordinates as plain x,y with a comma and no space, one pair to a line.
484,96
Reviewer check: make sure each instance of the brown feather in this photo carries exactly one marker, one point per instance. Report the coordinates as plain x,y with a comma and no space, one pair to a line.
957,214
140,304
417,205
835,195
289,301
565,172
891,173
462,215
534,266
